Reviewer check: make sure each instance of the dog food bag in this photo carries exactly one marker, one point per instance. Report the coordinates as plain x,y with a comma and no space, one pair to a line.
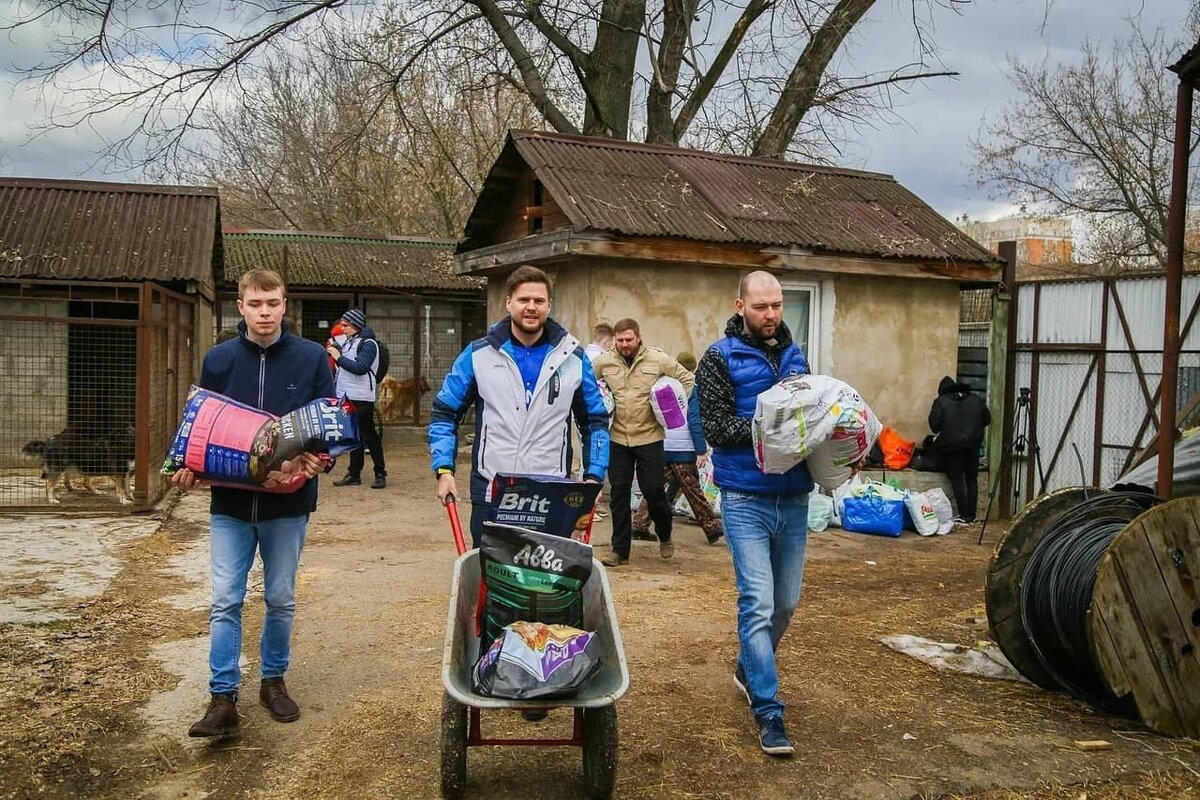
544,503
669,403
813,417
228,443
531,659
532,576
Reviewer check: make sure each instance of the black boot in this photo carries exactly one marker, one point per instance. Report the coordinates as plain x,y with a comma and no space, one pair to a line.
274,698
349,480
221,718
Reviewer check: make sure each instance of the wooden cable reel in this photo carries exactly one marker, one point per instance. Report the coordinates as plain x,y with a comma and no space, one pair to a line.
1143,621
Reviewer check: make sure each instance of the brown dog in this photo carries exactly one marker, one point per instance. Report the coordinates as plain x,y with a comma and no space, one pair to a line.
395,399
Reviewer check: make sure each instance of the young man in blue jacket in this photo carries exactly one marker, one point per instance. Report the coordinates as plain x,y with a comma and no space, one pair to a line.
526,378
270,368
766,516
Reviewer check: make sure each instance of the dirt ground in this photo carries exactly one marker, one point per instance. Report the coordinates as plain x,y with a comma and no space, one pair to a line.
98,685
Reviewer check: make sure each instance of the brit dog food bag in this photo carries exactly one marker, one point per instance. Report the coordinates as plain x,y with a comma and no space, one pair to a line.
228,443
669,403
813,418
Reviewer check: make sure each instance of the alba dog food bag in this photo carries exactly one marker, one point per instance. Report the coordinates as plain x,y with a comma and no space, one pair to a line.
531,577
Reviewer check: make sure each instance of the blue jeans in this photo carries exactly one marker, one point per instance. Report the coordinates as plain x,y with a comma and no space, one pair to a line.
233,545
766,534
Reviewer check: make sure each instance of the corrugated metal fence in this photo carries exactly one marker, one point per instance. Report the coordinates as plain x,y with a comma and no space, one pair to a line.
1088,369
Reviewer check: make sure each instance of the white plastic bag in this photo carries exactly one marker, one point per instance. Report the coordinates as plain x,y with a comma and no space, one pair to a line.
924,518
606,397
820,511
840,493
669,403
813,417
941,506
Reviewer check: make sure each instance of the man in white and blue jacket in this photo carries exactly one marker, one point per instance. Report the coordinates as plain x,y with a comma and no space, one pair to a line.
526,378
766,516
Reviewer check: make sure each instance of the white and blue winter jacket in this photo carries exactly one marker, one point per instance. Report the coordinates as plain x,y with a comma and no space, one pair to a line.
513,436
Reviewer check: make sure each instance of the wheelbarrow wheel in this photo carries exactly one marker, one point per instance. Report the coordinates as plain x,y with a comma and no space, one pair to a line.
454,748
600,751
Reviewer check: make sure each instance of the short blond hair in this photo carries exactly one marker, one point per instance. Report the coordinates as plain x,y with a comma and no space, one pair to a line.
265,280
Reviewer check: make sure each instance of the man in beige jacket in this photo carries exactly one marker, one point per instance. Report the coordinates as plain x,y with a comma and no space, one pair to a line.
630,369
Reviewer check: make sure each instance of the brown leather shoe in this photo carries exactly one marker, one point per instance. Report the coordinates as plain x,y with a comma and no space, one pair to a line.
274,698
221,718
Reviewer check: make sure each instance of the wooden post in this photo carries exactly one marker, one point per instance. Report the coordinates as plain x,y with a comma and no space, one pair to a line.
1008,252
1175,226
141,437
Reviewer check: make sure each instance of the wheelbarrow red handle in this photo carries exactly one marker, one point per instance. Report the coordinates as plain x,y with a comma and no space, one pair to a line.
455,524
461,545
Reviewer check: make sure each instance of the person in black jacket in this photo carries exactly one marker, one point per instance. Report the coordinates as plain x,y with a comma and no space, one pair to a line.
270,368
958,417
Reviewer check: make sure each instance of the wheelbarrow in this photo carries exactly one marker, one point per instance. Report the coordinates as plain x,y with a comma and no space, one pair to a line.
594,707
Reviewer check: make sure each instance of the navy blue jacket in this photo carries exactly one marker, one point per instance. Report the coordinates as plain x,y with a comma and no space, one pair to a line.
291,372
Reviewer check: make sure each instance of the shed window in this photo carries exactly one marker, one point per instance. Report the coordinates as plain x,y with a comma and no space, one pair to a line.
536,197
802,313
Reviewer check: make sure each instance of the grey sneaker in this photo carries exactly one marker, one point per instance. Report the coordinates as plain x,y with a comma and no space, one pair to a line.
614,560
739,679
773,738
666,549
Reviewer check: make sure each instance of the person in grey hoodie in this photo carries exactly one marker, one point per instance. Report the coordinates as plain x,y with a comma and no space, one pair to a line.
958,417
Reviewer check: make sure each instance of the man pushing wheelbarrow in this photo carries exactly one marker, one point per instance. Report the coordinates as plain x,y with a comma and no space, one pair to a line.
526,378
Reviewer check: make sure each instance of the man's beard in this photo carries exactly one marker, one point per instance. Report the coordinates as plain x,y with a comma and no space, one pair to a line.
758,332
530,325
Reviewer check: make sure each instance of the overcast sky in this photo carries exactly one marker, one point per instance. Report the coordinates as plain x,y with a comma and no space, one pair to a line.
928,152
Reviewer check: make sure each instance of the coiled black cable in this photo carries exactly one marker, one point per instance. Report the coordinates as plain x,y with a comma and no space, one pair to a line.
1056,589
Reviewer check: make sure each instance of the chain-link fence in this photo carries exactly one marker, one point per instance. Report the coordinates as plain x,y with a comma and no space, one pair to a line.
92,378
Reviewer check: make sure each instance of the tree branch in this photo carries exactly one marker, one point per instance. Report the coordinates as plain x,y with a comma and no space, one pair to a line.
687,112
530,77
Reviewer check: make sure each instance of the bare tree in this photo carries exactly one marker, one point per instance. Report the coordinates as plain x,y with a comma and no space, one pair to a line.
1094,138
317,146
576,60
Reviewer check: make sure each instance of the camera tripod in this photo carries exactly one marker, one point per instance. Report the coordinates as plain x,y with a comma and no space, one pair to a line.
1023,447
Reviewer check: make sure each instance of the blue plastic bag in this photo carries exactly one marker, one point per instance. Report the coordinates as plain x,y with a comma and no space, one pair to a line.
873,514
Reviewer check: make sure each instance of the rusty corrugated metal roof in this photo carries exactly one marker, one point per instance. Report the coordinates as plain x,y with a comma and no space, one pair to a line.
85,230
656,190
337,260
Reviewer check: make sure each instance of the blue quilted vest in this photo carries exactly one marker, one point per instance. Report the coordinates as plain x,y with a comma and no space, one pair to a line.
752,374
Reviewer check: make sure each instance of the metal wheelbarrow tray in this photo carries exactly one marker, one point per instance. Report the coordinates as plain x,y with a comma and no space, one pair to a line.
595,715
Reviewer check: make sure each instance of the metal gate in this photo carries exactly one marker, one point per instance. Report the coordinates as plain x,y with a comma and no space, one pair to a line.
1088,366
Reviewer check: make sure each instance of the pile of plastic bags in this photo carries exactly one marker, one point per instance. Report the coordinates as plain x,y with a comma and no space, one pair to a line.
881,509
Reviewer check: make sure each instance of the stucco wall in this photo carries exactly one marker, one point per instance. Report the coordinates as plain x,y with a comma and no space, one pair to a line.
678,308
892,339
